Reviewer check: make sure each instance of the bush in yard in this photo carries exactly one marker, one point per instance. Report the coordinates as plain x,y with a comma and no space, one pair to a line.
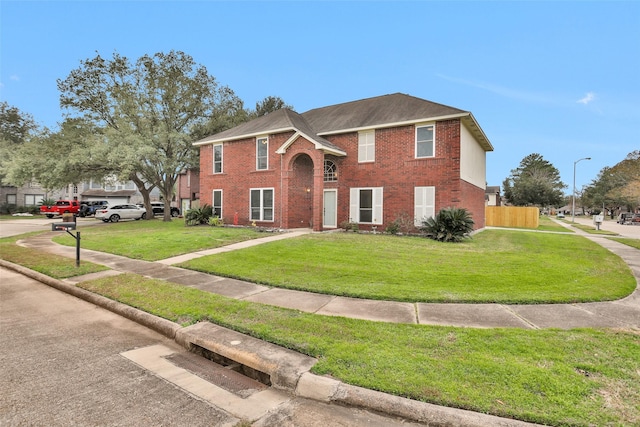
199,215
449,225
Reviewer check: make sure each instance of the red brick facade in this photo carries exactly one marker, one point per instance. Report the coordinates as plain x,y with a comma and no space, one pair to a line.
297,176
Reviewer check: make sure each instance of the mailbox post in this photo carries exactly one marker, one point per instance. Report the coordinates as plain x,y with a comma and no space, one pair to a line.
597,220
66,226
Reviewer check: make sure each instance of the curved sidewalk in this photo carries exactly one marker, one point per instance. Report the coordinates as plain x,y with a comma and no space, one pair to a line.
624,313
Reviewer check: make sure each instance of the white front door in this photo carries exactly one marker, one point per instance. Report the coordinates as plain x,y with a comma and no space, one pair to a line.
330,213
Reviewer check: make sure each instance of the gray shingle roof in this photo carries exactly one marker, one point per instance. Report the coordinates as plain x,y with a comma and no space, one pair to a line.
373,112
381,111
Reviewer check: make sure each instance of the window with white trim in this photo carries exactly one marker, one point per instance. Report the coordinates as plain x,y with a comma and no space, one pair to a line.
367,146
217,158
12,199
424,202
262,153
216,203
365,205
261,200
425,137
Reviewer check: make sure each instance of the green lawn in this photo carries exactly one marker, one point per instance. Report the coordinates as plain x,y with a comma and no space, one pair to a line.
546,224
495,266
581,377
154,239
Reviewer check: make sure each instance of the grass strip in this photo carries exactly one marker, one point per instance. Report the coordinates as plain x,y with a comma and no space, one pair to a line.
55,266
634,243
496,266
554,377
592,230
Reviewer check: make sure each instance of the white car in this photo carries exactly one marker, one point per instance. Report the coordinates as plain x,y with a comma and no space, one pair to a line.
117,212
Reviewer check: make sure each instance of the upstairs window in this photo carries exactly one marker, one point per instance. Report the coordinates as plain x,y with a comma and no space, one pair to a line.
217,159
262,153
424,141
330,171
367,146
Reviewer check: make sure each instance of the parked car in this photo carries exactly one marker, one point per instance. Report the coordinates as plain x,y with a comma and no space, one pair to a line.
117,212
628,218
90,208
158,209
60,207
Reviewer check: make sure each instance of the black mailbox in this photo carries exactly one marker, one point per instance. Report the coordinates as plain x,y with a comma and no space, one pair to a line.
63,226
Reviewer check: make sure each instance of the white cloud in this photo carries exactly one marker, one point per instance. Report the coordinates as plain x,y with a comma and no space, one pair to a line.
504,91
590,96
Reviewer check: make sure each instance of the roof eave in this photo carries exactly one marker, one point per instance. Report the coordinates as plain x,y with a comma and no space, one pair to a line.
477,132
393,124
207,141
471,123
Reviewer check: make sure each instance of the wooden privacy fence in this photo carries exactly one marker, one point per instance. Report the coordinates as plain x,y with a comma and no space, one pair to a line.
512,216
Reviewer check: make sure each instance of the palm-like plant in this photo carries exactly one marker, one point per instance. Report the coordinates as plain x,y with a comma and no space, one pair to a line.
449,225
198,216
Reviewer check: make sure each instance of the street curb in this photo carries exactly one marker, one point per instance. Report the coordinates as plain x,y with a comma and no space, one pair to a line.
288,369
162,326
328,390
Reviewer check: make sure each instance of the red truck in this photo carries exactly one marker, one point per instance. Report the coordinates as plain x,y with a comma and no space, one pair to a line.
60,207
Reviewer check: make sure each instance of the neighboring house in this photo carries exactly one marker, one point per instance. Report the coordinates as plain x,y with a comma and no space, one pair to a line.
368,162
115,192
492,196
28,195
188,189
31,194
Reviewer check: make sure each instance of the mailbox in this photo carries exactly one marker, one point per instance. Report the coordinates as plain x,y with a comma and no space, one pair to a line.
597,220
63,226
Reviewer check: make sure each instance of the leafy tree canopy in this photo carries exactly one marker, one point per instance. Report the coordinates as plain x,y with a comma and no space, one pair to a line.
16,129
269,105
617,186
150,110
536,182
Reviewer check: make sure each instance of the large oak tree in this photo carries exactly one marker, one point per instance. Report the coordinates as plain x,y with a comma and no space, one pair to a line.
151,110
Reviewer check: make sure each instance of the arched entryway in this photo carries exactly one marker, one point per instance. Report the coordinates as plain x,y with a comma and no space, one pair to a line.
300,196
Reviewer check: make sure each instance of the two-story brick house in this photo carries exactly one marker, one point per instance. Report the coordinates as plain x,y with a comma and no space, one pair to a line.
369,162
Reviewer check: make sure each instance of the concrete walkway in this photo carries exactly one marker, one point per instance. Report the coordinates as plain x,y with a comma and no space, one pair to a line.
624,313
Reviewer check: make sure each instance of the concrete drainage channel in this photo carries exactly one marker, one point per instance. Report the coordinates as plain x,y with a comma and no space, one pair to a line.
262,361
242,375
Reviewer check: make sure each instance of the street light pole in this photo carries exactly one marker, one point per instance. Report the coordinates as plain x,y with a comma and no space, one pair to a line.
573,208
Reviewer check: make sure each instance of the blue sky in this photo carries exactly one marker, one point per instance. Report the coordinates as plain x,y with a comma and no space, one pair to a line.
557,78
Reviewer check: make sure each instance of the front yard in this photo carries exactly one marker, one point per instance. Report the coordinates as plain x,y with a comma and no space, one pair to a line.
500,266
580,377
